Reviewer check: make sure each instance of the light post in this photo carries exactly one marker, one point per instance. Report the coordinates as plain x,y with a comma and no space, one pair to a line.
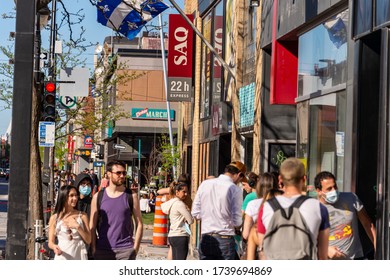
18,194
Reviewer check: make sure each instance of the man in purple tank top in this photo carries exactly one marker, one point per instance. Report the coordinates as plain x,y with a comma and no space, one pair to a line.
112,225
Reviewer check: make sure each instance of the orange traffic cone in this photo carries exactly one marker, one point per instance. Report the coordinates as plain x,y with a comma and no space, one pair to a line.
160,228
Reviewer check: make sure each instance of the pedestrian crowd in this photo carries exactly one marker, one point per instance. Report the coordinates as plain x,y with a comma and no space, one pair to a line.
242,215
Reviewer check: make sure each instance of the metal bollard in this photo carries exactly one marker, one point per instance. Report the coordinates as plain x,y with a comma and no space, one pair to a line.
38,232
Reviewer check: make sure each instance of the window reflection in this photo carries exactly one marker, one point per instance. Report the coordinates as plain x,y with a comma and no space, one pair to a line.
206,69
382,11
362,16
326,135
323,55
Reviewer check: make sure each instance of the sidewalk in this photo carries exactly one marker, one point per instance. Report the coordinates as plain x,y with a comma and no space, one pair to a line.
148,251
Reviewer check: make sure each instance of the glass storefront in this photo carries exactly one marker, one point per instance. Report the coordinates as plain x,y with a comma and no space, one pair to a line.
321,111
321,126
322,57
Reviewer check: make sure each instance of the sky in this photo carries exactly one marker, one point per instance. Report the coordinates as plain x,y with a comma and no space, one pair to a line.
95,32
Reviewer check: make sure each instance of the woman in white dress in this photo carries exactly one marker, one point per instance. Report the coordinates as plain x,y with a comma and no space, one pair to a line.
69,226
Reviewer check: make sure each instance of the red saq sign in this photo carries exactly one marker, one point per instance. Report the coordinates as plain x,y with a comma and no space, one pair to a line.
180,47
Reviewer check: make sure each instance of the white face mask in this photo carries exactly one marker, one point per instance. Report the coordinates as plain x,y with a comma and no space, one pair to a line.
332,196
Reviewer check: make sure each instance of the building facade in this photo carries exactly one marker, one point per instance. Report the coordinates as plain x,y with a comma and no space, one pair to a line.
310,79
136,85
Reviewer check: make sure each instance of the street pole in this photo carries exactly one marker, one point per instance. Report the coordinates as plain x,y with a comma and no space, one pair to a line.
49,160
166,94
23,87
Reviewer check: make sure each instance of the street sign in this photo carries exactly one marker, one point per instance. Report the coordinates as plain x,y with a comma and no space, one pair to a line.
119,147
44,56
98,163
68,101
46,134
75,82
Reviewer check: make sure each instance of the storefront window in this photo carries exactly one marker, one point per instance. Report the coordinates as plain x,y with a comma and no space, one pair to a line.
322,57
362,17
382,12
321,133
206,69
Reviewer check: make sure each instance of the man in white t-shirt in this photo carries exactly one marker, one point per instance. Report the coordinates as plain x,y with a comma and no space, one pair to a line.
292,173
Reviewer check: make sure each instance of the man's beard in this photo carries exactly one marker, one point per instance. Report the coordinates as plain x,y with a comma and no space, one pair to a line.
119,182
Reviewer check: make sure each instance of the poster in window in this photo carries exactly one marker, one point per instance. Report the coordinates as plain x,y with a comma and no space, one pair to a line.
277,153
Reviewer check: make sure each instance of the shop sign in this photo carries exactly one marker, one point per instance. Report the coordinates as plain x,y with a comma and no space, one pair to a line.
83,152
180,58
88,142
151,114
98,163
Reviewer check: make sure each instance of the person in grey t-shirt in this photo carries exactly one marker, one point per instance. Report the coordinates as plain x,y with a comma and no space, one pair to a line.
345,209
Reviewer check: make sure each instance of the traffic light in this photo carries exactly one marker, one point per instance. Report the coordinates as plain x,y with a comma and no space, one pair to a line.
49,102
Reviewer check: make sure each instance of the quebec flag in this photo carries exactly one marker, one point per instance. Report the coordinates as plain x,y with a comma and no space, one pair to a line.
128,16
337,29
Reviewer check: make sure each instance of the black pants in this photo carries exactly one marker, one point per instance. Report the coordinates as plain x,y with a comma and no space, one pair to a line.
179,245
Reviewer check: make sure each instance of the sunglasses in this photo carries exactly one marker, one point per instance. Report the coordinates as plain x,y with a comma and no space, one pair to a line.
124,173
69,232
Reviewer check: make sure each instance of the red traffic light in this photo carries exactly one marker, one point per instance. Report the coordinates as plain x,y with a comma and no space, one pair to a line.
50,87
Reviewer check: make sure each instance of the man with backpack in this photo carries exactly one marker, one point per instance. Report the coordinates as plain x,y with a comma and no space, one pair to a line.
293,226
111,222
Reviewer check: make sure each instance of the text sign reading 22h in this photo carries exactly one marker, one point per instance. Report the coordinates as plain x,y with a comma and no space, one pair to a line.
180,89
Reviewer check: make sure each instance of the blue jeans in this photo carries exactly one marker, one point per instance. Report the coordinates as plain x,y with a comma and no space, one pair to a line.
216,248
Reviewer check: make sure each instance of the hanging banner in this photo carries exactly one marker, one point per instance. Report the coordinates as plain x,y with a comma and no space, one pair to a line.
180,59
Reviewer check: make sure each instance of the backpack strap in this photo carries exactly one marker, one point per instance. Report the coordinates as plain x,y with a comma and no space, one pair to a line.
99,199
274,203
129,198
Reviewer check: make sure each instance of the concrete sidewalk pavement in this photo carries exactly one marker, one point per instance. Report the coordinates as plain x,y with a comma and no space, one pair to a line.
148,251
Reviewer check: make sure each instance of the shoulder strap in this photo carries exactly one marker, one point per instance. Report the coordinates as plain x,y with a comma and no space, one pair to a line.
274,203
99,199
296,204
129,198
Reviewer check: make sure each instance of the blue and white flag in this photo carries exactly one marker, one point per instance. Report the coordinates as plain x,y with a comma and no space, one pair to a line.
128,16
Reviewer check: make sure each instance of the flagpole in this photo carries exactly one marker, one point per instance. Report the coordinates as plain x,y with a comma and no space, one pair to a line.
204,40
166,93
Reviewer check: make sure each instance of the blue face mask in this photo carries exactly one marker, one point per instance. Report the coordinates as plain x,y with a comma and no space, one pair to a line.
332,196
85,190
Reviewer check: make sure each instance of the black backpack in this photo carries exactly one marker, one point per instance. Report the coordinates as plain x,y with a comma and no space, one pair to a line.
288,237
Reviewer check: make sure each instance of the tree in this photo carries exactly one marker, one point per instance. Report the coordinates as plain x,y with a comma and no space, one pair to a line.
161,161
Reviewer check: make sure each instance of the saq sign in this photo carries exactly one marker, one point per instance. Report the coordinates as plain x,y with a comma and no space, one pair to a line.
180,58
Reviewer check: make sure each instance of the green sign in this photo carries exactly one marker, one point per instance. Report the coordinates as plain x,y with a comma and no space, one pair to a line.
151,114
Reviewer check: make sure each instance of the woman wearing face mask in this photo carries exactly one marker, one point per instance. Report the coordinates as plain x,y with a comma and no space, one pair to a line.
83,183
69,226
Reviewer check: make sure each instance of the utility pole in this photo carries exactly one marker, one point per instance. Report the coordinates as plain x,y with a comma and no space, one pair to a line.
23,87
48,162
